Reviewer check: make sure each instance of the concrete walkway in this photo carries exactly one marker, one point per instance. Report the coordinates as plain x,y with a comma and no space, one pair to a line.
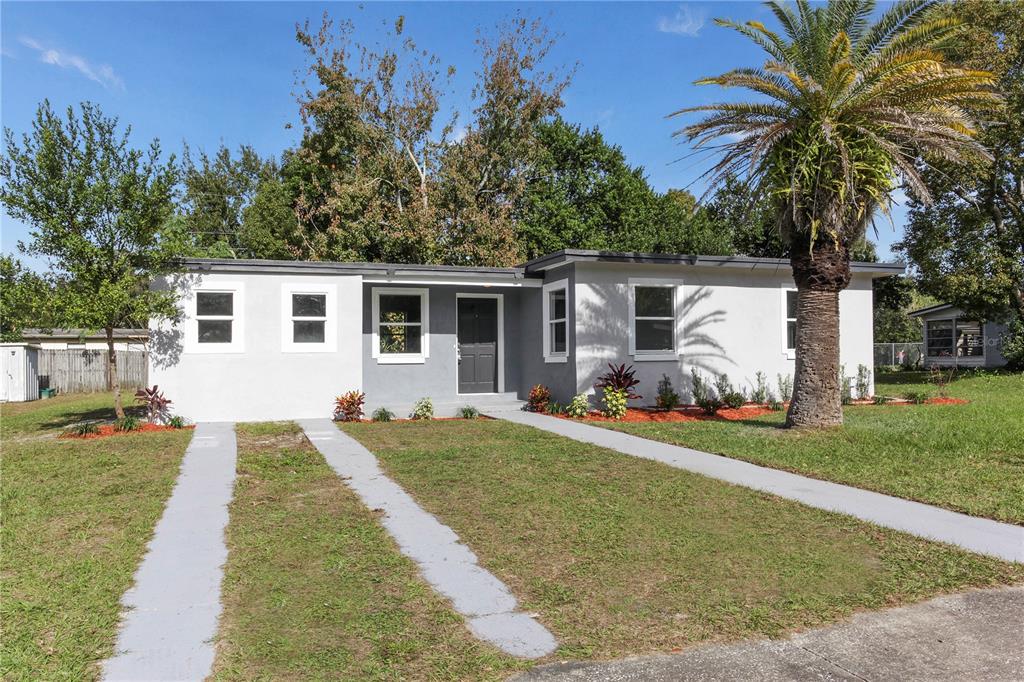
173,607
976,635
446,563
1002,540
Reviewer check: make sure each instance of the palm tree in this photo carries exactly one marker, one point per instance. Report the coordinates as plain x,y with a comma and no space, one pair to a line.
847,108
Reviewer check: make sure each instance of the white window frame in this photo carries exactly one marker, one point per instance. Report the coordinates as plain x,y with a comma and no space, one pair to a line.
237,345
955,322
676,285
789,353
400,358
549,355
330,320
501,340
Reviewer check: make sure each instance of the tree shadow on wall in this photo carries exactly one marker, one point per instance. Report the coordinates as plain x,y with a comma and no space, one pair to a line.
166,339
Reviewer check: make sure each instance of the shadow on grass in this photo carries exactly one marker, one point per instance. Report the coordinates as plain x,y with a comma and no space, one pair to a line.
99,414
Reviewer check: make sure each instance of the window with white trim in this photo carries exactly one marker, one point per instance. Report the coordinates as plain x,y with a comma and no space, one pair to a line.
215,317
556,321
654,319
791,298
400,325
955,338
308,317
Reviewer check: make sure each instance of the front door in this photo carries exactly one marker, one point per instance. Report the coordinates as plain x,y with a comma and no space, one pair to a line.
478,345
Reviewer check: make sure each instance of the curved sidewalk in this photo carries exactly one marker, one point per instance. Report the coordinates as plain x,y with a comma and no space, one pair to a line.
984,536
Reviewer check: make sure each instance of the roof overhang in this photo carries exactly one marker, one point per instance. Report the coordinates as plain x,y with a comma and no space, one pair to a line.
931,309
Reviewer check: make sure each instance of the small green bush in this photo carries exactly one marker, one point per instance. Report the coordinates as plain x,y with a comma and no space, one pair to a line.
785,387
579,406
83,429
916,397
127,423
555,407
1012,345
469,412
880,399
615,402
176,422
863,381
733,399
760,392
382,414
667,397
702,397
423,409
775,405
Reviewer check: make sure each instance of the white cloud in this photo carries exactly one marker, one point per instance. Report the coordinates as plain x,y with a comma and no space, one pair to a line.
684,23
103,74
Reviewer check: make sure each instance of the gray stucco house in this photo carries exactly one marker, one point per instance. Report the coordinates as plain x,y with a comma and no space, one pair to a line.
953,339
261,340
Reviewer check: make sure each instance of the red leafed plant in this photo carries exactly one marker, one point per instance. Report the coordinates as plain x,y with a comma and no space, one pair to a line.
538,399
620,379
349,406
155,401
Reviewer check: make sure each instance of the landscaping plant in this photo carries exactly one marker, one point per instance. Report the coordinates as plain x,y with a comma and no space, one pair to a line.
941,379
538,399
667,397
127,423
382,414
916,397
554,407
423,409
863,382
579,406
83,429
156,403
176,422
760,393
847,386
615,402
702,396
469,412
880,399
785,387
619,378
348,407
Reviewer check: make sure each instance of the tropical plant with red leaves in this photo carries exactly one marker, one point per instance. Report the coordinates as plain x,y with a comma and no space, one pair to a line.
157,405
620,378
348,407
537,401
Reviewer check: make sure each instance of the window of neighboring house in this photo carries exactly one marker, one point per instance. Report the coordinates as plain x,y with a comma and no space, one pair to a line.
791,321
215,316
556,321
970,341
654,320
955,338
400,325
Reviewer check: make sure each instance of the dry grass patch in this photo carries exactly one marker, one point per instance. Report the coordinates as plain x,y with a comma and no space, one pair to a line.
315,589
625,556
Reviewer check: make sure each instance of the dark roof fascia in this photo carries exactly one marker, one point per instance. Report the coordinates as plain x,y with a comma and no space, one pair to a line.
331,268
557,258
930,309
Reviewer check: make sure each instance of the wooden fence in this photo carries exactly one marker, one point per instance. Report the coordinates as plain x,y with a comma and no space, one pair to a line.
85,371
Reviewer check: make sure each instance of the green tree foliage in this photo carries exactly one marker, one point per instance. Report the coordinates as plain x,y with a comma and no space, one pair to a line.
967,247
894,298
100,211
24,299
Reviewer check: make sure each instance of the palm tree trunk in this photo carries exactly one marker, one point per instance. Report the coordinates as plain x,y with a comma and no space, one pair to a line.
820,275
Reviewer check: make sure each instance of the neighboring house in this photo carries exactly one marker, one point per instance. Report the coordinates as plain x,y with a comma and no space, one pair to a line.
83,339
266,340
952,339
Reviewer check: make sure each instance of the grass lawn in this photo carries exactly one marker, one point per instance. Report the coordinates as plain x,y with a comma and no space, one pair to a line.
19,420
76,519
623,556
315,588
968,458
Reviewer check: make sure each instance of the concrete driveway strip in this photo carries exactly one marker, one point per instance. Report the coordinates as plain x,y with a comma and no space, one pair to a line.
975,635
172,610
447,564
984,536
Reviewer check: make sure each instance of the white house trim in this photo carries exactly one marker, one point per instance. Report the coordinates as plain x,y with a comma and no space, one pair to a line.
330,343
237,345
550,356
401,358
501,340
787,352
676,285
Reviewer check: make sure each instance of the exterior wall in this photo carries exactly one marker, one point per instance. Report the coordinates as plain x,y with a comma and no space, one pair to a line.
732,322
257,381
993,356
560,378
398,386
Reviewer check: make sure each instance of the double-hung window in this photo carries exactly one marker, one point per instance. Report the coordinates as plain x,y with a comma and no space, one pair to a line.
556,321
654,319
790,321
308,318
216,319
400,325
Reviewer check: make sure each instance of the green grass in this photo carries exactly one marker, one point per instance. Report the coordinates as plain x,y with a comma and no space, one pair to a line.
76,519
624,556
315,588
39,416
968,458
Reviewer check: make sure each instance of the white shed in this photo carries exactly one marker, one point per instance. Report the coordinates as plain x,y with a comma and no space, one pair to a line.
19,372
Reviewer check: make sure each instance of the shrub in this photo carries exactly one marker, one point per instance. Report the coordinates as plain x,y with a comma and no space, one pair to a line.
129,423
941,379
863,382
382,414
156,403
702,396
621,379
348,407
579,406
667,397
423,409
916,397
760,393
846,386
538,399
881,399
775,405
176,422
469,412
1012,345
723,386
733,399
615,402
83,429
555,407
785,387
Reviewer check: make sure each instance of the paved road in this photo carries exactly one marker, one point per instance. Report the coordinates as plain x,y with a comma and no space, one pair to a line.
1002,540
977,635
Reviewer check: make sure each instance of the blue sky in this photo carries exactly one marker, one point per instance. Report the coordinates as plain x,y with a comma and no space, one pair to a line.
208,73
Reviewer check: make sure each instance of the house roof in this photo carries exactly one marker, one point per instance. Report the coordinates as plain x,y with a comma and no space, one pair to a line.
930,309
557,258
77,334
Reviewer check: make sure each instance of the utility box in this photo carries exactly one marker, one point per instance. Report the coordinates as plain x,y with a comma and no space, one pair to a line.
19,372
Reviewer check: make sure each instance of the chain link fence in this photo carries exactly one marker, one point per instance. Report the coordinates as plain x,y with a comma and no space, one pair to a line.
903,354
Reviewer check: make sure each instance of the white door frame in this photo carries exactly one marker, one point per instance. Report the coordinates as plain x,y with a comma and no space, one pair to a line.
501,340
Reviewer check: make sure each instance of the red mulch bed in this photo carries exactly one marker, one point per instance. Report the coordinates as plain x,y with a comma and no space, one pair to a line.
107,430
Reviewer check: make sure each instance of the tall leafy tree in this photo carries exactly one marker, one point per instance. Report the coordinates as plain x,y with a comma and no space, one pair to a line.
845,107
99,210
24,299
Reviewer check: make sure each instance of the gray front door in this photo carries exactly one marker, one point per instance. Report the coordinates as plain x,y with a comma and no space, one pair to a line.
478,345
